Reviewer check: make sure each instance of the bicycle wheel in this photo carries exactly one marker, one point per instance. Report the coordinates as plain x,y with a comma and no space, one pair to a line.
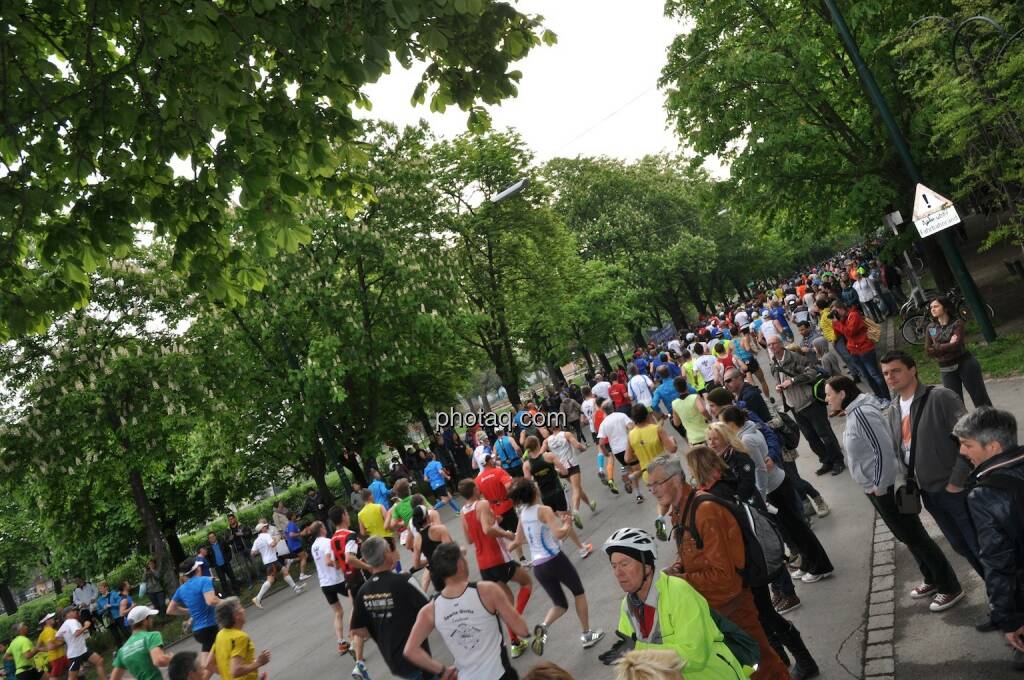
965,312
914,329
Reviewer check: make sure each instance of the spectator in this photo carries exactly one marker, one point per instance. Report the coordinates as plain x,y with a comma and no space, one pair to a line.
920,429
385,608
828,358
143,653
572,411
221,555
85,596
988,437
316,505
124,605
155,587
108,611
239,538
944,341
873,462
650,664
355,499
381,493
234,654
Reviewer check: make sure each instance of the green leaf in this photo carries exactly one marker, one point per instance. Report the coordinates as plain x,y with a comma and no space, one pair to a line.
293,186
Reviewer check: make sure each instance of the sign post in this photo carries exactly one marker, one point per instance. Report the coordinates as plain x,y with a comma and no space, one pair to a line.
933,212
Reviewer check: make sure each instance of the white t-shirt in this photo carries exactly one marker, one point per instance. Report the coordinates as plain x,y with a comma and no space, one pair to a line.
640,387
601,389
907,432
263,546
75,643
865,289
589,409
768,329
615,427
705,363
809,299
741,318
675,346
481,454
327,574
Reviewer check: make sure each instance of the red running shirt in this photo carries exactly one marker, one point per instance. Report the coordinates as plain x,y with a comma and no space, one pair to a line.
489,550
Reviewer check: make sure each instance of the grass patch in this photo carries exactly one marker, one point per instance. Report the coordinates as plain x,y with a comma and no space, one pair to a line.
1000,359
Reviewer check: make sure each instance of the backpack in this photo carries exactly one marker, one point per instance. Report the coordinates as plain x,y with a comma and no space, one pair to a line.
506,454
771,437
788,431
338,544
742,646
762,543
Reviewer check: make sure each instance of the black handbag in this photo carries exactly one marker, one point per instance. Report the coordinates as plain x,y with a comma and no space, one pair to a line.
908,496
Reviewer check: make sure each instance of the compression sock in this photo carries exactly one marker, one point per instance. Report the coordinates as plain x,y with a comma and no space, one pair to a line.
289,580
263,591
437,505
522,597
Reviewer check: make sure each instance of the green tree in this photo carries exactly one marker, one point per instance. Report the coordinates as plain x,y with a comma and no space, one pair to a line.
100,96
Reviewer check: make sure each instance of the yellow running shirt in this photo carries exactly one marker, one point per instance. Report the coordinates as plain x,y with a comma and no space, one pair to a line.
372,517
46,636
646,445
231,642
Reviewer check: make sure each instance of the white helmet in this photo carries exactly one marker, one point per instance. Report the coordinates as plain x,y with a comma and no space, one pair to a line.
636,543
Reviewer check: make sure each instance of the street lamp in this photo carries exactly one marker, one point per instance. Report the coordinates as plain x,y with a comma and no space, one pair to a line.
511,190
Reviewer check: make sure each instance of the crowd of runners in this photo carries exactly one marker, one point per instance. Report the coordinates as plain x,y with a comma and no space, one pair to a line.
730,501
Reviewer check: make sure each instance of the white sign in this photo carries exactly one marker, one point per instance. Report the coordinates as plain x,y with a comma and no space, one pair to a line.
933,212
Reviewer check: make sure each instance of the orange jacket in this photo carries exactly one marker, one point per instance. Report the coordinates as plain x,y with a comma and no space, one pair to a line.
713,570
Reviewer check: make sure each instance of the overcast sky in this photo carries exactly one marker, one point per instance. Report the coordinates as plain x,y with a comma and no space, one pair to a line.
593,93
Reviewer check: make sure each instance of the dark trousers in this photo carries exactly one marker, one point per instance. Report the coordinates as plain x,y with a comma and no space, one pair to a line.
574,425
226,575
908,530
794,530
813,423
804,489
954,519
840,345
968,374
867,365
246,566
781,633
158,600
783,584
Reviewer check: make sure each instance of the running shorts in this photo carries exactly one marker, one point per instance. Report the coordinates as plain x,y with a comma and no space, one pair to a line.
332,592
556,502
205,637
572,470
502,573
555,573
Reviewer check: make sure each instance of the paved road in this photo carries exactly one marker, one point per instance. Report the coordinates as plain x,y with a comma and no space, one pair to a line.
298,631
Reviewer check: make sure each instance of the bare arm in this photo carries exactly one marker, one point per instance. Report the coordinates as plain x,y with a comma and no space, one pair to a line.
211,598
159,657
554,460
465,530
630,457
571,438
487,523
421,630
547,515
117,674
667,440
240,668
175,609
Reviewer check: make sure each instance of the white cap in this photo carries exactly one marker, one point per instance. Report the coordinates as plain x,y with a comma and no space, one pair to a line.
140,613
261,526
47,617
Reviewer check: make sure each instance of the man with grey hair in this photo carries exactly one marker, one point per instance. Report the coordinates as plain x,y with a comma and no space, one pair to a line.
385,608
988,438
234,654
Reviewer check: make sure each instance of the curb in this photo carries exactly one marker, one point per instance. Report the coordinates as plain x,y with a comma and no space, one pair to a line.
879,659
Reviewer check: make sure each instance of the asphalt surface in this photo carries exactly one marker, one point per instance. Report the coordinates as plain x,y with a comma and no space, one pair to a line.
298,628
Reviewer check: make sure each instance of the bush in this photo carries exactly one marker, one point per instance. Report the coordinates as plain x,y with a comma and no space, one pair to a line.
31,612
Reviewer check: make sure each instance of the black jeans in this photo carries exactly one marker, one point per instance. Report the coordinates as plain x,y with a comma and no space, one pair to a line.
794,529
908,530
159,600
813,423
227,578
804,489
954,519
968,374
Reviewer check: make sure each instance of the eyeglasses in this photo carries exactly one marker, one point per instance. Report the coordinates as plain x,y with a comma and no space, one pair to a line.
653,486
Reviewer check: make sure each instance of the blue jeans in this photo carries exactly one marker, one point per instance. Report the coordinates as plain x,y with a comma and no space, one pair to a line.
840,345
954,519
867,365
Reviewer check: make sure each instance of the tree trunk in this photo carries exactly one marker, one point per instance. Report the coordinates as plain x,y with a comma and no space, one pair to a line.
151,528
428,427
656,313
484,401
675,312
695,297
170,527
638,335
618,350
7,599
555,374
587,358
316,467
605,364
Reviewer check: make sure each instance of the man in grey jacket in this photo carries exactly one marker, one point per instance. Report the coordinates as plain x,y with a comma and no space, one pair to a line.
921,421
796,376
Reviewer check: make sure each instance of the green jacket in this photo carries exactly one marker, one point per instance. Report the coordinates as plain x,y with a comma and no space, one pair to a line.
685,625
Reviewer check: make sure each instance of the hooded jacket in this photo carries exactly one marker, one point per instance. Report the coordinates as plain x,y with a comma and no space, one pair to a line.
801,369
868,445
937,459
997,519
855,331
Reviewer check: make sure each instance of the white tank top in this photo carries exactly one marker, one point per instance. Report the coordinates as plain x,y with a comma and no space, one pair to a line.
473,635
560,446
543,544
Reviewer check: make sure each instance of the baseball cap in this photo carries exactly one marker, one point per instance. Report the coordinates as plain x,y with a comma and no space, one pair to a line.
47,617
188,566
140,613
261,526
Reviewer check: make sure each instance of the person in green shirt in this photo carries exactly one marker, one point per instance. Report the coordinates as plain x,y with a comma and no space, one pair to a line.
143,653
21,650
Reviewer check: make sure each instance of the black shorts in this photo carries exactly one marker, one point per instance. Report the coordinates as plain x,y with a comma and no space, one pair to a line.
556,502
502,573
752,365
272,568
574,470
332,592
509,521
293,555
621,457
353,582
515,471
78,663
205,637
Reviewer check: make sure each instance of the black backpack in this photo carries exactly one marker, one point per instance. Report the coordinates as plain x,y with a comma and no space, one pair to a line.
788,431
763,546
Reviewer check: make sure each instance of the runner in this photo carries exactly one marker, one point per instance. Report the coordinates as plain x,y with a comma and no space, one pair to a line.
266,547
564,445
437,477
234,655
143,654
648,440
293,539
492,556
690,414
331,578
540,529
74,633
56,657
545,469
345,547
613,438
641,387
468,616
494,483
21,650
430,533
196,598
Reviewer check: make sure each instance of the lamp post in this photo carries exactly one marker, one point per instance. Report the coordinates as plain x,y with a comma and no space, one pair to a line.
956,263
511,190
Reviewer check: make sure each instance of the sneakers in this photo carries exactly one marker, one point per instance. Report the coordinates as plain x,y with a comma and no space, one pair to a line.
360,672
586,550
808,508
591,638
611,487
823,470
593,506
944,601
923,590
540,636
798,574
577,520
256,603
639,499
299,589
838,469
659,529
814,578
787,604
518,648
303,577
343,647
820,506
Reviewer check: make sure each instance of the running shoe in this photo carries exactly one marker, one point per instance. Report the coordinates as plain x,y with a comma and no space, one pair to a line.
593,506
639,499
944,601
256,603
577,520
659,529
540,636
517,648
611,487
923,590
303,577
586,550
798,574
343,647
360,672
591,638
299,589
814,578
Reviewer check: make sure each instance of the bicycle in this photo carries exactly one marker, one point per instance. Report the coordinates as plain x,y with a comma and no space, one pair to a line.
918,316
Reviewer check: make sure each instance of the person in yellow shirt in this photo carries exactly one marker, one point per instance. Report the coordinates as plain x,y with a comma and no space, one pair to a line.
648,440
234,654
372,518
56,653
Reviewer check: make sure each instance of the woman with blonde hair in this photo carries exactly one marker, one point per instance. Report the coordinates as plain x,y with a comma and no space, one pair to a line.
724,441
650,664
706,467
